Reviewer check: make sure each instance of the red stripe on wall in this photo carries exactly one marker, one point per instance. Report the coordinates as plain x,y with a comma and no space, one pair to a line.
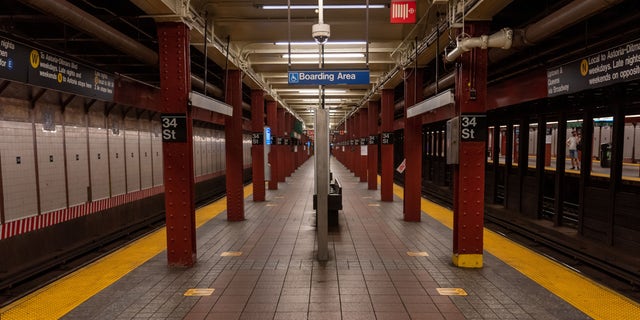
29,224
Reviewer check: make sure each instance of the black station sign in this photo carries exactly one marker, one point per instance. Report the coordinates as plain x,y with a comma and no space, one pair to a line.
280,141
257,138
23,63
473,127
387,138
363,141
373,139
174,127
616,65
14,59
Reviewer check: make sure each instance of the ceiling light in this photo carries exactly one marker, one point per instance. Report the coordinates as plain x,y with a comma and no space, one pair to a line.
309,43
314,7
325,91
326,55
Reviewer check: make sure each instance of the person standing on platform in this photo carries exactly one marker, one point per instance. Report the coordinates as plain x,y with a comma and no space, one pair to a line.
572,145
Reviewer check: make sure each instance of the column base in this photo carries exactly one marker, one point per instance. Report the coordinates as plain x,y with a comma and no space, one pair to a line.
467,260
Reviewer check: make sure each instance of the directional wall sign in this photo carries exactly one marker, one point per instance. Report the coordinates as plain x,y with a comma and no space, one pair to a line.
615,65
26,64
14,59
329,77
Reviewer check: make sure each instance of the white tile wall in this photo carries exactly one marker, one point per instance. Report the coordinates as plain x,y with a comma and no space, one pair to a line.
208,163
156,153
146,165
197,151
223,150
18,180
51,170
77,164
99,157
132,160
116,159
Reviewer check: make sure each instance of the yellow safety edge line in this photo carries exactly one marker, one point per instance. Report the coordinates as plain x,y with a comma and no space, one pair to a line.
59,298
592,298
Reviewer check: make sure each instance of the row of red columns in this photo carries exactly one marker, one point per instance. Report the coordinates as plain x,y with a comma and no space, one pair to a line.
348,148
175,82
283,159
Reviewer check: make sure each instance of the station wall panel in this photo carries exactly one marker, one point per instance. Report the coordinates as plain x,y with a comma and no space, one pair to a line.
18,170
76,149
77,164
51,165
210,147
156,154
146,162
99,159
116,157
132,159
197,151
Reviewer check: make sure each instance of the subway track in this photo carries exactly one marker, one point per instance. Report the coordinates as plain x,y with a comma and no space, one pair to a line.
14,289
618,279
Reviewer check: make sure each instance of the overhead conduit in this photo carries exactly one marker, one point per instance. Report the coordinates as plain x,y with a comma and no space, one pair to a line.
81,20
87,23
501,39
566,16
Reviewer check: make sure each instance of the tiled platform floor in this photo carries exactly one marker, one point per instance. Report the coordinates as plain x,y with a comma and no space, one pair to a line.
369,275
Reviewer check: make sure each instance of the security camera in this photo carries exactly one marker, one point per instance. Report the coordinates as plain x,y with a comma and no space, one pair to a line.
320,32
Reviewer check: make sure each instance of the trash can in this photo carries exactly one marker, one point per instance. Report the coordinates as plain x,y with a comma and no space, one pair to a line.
605,155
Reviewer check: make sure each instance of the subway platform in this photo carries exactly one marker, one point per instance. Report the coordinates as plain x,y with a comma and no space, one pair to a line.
380,267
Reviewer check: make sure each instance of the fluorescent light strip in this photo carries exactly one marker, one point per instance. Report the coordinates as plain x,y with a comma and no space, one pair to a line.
326,55
325,91
312,43
314,7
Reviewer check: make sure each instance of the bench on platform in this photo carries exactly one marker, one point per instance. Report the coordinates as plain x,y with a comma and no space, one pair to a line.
334,199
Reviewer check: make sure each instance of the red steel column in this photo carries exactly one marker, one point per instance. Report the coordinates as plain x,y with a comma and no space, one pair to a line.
233,145
288,149
412,146
356,145
364,118
257,150
282,173
175,83
272,122
372,147
352,145
386,127
468,196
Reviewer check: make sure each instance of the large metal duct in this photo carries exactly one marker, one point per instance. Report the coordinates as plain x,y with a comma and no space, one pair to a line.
566,16
81,20
95,27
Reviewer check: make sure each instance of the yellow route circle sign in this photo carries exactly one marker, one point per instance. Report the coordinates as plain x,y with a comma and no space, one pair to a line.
584,67
34,59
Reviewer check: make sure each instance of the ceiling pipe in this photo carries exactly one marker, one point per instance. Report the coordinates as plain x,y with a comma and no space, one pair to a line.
95,27
81,20
501,39
566,16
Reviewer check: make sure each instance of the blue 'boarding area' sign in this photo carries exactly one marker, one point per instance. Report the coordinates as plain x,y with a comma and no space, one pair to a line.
329,77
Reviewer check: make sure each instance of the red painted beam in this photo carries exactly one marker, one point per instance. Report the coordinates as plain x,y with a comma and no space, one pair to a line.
468,196
412,146
175,82
257,151
233,146
372,149
386,180
272,122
